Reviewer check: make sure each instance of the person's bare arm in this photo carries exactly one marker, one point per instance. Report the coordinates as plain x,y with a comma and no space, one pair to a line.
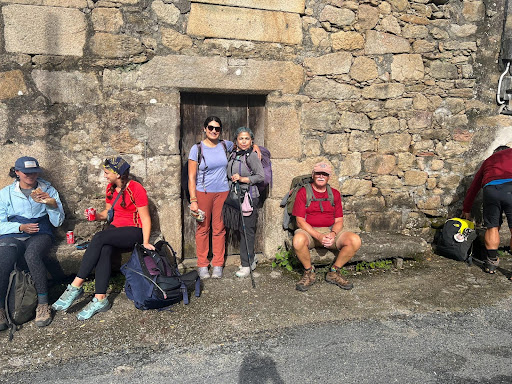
192,176
145,218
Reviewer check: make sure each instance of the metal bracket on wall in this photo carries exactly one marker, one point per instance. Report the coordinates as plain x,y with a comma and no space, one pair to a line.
504,92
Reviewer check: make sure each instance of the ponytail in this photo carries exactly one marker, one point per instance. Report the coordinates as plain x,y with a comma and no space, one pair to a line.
12,173
124,181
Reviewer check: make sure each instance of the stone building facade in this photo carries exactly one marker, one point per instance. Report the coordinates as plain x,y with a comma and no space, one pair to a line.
398,95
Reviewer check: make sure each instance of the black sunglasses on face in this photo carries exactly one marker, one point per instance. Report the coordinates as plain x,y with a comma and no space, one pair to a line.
321,174
212,127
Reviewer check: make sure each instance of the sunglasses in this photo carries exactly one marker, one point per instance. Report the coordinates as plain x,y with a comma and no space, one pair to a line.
321,174
212,127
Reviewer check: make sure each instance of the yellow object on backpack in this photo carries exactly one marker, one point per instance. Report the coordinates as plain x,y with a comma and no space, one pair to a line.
456,239
464,224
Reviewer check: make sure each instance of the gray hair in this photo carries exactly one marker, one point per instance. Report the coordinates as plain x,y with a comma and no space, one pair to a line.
243,129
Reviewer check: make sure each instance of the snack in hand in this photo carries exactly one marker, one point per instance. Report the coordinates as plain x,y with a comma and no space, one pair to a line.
199,215
34,195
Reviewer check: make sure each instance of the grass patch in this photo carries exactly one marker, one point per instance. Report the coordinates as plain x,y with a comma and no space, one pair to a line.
377,264
285,259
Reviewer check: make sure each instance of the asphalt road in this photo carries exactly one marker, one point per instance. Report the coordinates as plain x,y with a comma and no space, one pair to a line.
435,321
468,347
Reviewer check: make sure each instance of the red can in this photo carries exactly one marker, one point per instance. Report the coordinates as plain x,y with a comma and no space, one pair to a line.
70,237
91,214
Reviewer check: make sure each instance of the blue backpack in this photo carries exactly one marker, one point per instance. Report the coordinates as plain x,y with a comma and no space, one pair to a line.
153,280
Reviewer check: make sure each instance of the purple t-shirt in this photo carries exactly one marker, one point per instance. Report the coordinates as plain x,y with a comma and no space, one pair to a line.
215,177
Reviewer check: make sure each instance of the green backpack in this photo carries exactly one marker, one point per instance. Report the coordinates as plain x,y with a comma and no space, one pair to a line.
20,300
289,221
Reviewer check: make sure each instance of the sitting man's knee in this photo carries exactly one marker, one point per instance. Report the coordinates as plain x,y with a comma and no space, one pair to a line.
299,241
350,239
356,240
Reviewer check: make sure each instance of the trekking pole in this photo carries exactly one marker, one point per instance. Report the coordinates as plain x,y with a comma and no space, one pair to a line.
239,193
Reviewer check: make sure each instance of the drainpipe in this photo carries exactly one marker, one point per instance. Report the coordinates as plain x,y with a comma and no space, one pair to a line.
504,92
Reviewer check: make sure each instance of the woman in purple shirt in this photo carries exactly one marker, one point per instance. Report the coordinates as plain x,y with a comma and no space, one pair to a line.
208,188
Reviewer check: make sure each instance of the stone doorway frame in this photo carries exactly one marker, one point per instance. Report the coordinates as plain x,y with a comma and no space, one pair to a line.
235,110
280,81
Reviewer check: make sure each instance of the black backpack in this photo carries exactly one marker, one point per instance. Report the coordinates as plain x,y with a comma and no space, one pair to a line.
153,280
20,300
289,222
456,240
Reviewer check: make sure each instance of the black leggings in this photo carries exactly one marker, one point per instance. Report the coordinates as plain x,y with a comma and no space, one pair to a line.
26,253
250,228
99,252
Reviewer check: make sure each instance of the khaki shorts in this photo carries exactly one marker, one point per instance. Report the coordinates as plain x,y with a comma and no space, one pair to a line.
314,243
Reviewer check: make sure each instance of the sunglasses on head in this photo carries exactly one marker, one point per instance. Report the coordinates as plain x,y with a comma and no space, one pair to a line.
212,127
321,174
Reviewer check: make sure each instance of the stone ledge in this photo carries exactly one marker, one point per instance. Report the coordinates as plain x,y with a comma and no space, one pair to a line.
68,260
376,246
201,73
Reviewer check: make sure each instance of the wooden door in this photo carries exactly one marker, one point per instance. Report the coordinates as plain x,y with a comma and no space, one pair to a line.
234,111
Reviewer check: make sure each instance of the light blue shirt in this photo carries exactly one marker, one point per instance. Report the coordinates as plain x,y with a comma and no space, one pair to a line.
212,168
14,203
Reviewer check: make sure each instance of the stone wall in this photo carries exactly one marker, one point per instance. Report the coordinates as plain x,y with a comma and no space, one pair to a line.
398,95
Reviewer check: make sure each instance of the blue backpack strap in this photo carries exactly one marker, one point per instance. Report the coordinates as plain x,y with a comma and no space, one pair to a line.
198,287
184,292
225,148
199,153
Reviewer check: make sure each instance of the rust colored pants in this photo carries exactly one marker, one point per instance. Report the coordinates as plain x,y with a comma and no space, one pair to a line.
211,203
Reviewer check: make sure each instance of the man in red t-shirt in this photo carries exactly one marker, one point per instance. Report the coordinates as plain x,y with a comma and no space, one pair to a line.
321,225
495,178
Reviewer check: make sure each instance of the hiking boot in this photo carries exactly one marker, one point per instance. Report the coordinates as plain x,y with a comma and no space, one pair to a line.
243,272
3,320
217,273
43,315
93,308
307,280
336,278
203,273
67,298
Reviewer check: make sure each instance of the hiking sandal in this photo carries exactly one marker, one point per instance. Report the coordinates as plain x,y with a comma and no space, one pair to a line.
490,266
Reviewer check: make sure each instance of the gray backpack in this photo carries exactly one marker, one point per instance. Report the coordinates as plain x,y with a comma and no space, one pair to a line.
20,300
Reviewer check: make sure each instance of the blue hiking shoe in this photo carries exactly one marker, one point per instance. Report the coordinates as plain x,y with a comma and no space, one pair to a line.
93,308
67,298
